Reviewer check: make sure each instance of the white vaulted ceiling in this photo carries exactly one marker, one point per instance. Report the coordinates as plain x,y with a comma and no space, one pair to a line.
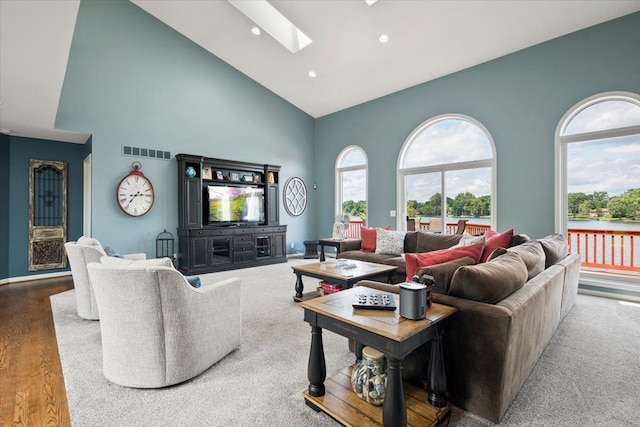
428,39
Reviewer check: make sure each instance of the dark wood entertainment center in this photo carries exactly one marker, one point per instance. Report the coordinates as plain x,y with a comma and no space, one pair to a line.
207,245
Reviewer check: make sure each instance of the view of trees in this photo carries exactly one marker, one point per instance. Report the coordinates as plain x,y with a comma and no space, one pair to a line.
464,204
601,205
352,208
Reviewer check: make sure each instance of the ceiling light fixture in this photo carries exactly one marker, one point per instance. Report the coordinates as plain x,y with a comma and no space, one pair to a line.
256,31
273,22
383,38
370,2
311,73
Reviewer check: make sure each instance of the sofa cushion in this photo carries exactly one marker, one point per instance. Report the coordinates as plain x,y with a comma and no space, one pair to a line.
519,239
530,252
410,242
555,248
495,240
389,242
413,261
490,282
442,273
428,242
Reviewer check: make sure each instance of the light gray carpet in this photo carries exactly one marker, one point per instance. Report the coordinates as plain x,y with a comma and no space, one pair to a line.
589,374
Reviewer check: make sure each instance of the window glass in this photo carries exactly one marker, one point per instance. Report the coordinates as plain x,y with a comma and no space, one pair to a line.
447,141
604,115
450,156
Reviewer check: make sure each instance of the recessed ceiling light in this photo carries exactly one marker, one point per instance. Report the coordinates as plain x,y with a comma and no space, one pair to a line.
256,31
383,38
311,73
370,2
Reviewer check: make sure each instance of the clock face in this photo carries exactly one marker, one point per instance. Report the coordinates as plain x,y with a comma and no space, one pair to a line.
135,195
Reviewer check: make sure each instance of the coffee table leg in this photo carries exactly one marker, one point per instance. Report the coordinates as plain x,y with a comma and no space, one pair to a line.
299,285
322,252
394,410
316,370
437,378
357,350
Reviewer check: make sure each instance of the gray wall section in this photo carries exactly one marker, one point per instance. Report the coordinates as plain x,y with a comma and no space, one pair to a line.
21,150
133,80
520,98
4,205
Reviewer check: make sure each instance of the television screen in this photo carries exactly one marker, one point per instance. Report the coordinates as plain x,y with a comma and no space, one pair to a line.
235,204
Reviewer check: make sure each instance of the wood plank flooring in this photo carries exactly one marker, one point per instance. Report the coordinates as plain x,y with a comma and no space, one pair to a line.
32,391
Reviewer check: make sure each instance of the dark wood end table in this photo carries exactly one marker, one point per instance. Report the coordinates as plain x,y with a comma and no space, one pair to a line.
396,337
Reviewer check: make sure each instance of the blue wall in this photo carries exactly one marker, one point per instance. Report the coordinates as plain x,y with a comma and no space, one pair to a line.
4,206
132,80
20,152
520,98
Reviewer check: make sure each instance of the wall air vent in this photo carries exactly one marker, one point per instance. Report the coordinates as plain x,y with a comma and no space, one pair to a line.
149,153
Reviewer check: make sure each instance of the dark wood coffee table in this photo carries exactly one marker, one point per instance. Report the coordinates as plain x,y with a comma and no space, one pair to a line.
336,272
396,337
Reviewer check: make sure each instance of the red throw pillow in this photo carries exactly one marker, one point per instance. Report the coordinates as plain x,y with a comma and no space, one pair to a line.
368,237
494,240
413,261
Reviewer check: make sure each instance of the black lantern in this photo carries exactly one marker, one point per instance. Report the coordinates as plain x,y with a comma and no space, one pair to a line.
164,245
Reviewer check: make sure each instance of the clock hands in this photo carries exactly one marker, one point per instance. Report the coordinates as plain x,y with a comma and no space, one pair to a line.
132,197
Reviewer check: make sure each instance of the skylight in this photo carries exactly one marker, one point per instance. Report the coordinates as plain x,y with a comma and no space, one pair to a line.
273,22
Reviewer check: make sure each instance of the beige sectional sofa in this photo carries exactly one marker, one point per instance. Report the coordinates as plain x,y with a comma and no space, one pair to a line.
491,348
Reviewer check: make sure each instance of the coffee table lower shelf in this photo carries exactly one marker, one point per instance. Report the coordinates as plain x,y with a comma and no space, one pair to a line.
344,406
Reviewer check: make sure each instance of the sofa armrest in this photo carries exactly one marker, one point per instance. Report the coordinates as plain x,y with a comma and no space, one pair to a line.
350,245
378,286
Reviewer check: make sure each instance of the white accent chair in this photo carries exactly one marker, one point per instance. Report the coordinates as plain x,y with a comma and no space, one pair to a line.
157,329
81,253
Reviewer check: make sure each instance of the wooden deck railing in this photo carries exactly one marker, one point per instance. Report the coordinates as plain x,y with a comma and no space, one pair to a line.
605,249
599,249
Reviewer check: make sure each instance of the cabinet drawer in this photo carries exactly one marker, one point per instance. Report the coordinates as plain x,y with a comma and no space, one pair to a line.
243,238
243,257
243,247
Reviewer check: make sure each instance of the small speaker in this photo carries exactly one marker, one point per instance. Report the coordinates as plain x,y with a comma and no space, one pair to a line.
413,299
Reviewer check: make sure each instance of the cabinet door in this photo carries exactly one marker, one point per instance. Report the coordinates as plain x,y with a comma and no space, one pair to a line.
192,204
279,243
272,205
221,250
198,253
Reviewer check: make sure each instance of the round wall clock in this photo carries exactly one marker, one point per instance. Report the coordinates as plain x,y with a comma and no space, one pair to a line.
295,196
134,193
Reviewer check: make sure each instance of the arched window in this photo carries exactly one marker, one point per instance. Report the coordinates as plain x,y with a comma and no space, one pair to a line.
351,183
454,156
598,183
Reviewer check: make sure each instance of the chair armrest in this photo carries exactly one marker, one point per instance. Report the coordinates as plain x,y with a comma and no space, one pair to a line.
209,284
135,257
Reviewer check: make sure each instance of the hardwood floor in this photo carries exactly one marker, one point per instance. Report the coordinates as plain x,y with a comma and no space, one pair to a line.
32,391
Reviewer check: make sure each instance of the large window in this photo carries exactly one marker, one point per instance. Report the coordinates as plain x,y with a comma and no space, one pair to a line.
598,191
351,184
446,171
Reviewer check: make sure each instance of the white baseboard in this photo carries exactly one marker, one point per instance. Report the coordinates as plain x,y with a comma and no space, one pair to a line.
34,277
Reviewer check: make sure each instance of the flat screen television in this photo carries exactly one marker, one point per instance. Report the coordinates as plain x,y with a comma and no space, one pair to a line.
235,204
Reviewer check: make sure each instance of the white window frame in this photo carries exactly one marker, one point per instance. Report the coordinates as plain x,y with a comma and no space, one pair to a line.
401,204
594,278
340,170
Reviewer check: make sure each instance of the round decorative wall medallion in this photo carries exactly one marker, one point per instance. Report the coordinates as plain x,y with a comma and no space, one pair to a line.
295,196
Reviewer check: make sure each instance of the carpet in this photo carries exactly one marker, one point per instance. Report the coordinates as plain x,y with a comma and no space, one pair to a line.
588,375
